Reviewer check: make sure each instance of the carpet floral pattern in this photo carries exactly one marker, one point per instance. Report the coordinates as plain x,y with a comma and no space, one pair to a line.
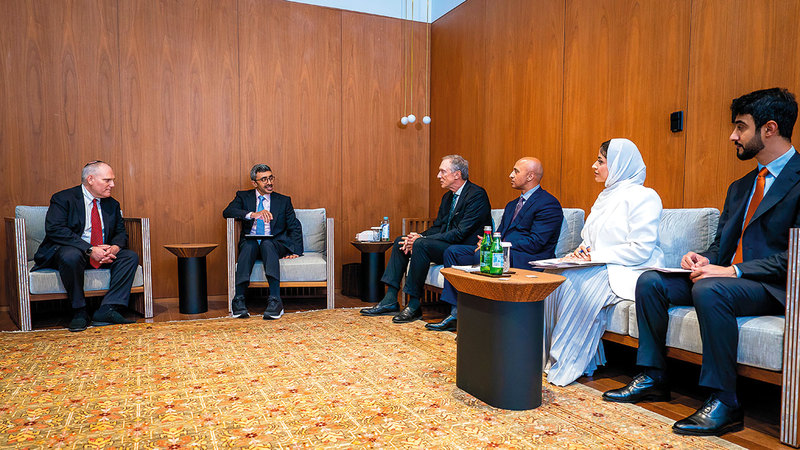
319,379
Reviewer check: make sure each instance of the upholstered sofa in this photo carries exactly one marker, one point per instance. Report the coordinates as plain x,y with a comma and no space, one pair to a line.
312,270
568,239
763,352
25,232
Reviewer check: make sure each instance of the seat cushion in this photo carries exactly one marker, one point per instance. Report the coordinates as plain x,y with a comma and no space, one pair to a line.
760,337
435,277
47,281
618,317
309,267
314,229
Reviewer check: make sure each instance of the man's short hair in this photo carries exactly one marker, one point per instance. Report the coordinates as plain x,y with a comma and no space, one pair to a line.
91,168
457,163
258,168
776,104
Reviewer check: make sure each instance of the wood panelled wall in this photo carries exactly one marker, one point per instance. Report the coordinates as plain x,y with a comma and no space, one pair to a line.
555,79
182,97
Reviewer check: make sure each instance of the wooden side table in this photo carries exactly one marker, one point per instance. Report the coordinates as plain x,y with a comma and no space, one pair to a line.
192,285
373,262
500,335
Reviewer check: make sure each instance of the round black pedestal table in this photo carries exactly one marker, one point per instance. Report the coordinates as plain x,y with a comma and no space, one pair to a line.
192,278
373,262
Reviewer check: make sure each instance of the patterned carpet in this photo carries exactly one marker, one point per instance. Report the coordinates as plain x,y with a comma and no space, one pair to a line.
318,379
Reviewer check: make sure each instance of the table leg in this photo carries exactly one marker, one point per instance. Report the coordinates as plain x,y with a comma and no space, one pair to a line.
372,266
499,356
192,286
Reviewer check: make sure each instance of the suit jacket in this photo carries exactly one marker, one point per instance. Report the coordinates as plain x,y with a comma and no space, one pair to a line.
765,242
66,219
534,233
284,224
472,213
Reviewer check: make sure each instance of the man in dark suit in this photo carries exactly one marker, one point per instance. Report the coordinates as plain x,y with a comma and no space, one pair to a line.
531,223
84,229
464,210
270,214
743,273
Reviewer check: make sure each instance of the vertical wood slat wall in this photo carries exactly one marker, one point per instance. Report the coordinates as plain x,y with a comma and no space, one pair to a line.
182,97
554,79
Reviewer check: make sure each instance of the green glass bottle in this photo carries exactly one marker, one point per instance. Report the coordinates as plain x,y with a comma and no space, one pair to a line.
486,249
497,256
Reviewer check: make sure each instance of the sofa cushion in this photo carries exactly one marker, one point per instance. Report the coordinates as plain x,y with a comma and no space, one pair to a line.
760,337
34,227
570,237
435,277
674,238
618,317
47,281
314,229
312,266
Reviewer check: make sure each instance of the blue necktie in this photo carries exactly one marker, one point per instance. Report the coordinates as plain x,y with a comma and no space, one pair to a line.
452,210
260,226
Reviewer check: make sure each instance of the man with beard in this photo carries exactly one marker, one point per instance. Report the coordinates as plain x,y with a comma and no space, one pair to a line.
743,273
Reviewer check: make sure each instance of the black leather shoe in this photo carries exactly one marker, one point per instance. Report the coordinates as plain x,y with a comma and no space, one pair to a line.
239,307
108,316
379,310
714,418
274,309
407,315
79,321
641,388
448,324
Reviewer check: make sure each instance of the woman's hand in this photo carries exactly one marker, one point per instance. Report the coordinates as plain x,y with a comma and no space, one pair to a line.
581,253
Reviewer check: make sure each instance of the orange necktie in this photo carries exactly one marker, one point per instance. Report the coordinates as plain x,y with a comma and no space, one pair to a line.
758,194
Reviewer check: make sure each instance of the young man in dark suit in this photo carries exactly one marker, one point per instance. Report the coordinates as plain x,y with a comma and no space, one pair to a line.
265,213
531,223
743,273
463,212
84,229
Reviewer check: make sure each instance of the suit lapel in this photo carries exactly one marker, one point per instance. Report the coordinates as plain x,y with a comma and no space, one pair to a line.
105,210
787,179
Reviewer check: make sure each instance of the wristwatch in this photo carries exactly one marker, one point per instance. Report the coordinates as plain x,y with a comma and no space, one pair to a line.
89,251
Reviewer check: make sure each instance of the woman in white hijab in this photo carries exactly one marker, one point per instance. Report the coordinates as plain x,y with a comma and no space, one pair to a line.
621,232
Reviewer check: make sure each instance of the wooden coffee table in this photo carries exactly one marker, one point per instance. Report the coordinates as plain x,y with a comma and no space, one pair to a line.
500,335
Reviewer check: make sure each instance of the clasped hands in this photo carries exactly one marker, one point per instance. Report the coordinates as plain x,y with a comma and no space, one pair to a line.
700,267
104,253
407,242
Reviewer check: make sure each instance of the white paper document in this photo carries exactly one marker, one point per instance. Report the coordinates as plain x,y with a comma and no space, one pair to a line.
468,268
559,263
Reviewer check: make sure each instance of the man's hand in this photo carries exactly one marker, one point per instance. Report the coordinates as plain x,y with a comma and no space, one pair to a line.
408,242
693,261
109,253
480,240
292,256
711,271
264,215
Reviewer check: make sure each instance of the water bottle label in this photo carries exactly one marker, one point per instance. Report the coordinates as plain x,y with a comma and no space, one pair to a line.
385,232
497,260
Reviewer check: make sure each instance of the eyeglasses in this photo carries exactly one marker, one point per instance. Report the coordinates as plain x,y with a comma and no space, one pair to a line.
270,178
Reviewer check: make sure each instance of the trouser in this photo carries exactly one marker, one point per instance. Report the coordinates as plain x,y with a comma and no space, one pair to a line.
72,263
457,255
425,251
717,301
269,252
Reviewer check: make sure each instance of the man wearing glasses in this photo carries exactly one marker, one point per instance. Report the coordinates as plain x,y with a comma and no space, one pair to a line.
270,231
83,230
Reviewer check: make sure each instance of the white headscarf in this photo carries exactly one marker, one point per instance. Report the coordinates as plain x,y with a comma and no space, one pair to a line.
625,169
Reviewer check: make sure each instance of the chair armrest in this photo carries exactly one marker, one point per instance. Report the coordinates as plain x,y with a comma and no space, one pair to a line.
16,270
138,229
790,416
416,224
329,263
233,228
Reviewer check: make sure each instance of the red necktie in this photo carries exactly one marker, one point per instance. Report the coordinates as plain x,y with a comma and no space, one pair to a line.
97,232
758,194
